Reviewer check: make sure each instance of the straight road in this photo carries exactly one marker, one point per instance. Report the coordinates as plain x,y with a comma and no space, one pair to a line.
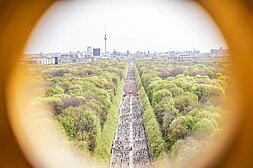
130,149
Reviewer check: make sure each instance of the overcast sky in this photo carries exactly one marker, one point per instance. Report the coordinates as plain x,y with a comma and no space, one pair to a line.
135,25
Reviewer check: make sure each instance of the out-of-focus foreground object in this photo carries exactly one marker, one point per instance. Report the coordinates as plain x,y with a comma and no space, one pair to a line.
234,18
17,19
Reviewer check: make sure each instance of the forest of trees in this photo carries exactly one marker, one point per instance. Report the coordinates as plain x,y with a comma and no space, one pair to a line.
183,105
84,99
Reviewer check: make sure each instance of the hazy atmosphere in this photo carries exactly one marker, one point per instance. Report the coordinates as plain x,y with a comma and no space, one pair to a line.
125,84
130,25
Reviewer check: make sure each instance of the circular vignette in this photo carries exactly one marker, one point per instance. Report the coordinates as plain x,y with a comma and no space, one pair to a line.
233,18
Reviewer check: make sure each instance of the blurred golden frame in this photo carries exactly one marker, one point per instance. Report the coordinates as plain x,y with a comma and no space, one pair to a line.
235,20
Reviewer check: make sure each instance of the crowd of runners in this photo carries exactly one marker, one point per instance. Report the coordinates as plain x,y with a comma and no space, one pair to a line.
130,144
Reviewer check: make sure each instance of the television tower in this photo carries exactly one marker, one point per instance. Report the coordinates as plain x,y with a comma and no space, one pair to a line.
105,38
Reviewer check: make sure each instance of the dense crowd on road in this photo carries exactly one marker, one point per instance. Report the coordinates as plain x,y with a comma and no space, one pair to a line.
130,145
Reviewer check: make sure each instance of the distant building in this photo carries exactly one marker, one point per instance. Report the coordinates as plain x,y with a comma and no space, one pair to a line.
215,51
219,52
171,53
225,52
96,52
89,51
56,60
79,54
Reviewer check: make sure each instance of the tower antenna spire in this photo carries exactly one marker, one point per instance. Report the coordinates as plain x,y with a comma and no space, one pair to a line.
105,38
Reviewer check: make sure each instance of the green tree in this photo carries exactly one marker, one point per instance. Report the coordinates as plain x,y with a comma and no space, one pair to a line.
82,125
159,95
178,130
54,91
204,128
185,102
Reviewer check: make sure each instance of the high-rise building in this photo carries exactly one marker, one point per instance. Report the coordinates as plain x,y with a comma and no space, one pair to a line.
96,51
89,50
56,60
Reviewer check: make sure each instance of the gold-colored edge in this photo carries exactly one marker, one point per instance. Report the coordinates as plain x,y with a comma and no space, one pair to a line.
234,18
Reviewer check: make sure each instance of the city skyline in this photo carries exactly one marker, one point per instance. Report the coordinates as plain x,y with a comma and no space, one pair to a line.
155,26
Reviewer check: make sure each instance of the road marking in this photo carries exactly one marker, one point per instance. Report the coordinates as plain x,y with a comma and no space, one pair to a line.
131,134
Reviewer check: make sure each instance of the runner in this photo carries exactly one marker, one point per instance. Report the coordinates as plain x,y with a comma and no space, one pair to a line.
130,145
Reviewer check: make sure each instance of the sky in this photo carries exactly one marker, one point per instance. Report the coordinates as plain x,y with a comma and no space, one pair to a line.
134,25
